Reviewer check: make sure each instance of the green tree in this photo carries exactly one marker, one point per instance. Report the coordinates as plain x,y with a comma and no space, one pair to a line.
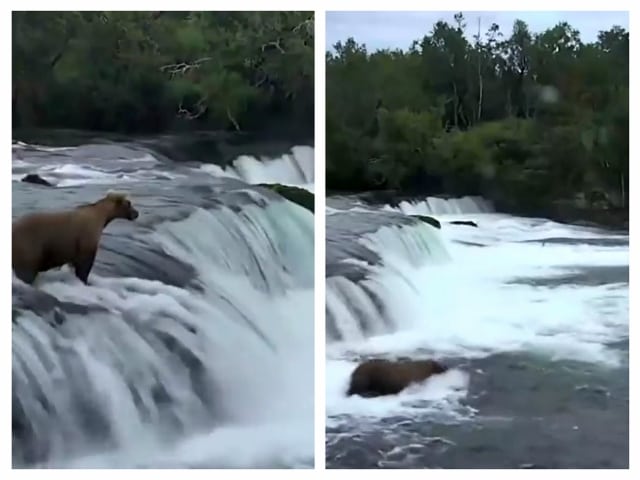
530,120
152,71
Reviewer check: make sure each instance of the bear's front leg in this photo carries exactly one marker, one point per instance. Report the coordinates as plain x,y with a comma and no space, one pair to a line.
83,265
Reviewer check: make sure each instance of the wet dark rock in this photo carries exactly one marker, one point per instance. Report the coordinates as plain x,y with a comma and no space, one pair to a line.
430,220
36,179
468,223
297,195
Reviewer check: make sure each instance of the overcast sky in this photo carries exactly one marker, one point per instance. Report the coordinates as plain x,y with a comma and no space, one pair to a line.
399,29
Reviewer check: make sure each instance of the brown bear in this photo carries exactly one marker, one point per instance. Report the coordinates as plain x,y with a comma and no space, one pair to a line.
377,377
43,241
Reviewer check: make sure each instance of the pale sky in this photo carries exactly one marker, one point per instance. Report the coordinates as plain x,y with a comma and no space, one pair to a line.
399,29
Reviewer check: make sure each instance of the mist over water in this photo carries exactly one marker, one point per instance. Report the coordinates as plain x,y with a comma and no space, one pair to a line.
192,346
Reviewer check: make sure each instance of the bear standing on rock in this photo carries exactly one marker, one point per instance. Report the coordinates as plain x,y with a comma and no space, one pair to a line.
43,241
374,378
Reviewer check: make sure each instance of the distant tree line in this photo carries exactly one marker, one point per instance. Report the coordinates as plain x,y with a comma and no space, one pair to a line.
155,71
525,119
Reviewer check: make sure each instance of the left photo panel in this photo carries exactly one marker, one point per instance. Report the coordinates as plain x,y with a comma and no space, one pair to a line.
162,240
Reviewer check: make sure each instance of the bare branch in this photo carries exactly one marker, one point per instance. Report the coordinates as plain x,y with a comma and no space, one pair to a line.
56,58
183,68
307,24
189,115
264,78
176,68
233,120
202,60
275,44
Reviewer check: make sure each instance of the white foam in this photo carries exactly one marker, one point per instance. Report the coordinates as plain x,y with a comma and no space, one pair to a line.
296,169
258,446
467,307
436,394
443,206
22,146
266,399
75,174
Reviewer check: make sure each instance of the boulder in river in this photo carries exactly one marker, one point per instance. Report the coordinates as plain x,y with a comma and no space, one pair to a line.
297,195
468,223
36,179
430,220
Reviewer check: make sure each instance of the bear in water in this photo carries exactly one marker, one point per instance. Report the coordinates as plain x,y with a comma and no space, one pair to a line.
43,241
377,377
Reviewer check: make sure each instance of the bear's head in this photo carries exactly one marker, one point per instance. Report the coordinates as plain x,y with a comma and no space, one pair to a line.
121,206
438,367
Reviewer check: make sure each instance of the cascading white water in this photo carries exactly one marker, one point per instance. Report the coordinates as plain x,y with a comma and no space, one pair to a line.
295,169
443,206
251,348
192,345
480,298
353,308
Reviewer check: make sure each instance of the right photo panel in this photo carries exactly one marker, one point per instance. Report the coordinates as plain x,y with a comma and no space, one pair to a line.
477,255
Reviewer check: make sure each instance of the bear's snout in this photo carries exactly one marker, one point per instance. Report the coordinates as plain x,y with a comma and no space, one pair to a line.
133,214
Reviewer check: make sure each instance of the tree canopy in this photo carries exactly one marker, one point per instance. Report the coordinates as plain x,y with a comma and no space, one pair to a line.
153,71
519,117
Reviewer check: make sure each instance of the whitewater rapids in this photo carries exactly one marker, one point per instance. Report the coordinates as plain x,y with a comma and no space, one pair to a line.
192,346
529,313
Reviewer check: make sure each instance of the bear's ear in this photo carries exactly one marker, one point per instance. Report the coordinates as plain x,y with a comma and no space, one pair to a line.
118,198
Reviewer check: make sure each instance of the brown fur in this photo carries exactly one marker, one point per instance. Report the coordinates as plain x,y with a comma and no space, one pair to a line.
43,241
374,378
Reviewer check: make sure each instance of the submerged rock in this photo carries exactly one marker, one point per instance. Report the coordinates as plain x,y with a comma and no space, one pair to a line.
36,179
430,220
297,195
468,223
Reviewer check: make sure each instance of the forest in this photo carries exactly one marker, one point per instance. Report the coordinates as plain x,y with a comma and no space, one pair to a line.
152,72
536,122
